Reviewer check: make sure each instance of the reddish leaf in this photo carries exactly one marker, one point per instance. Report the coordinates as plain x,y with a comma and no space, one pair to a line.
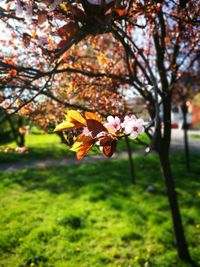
121,11
68,29
84,138
9,61
77,14
62,43
13,72
95,127
109,150
66,33
42,17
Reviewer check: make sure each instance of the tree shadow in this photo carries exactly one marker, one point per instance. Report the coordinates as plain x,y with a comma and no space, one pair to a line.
105,180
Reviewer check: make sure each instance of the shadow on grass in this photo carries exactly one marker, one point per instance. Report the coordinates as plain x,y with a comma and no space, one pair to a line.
105,179
35,154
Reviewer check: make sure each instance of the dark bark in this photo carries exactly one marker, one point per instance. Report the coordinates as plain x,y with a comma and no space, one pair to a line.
176,217
13,130
21,140
163,152
21,137
131,163
185,131
183,3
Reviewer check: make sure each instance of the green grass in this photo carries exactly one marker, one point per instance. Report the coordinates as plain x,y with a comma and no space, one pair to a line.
135,144
41,146
48,146
195,135
89,215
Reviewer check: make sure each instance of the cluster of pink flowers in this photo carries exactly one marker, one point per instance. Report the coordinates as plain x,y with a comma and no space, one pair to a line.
113,124
92,130
130,126
25,10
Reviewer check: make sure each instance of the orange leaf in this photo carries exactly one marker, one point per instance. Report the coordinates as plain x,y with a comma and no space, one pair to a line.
83,151
9,61
82,145
13,72
26,110
22,130
92,116
121,11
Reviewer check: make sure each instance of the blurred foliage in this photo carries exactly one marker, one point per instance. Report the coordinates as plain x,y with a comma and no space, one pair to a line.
196,99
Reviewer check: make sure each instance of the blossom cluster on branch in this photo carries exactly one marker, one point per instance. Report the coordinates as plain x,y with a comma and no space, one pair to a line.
94,131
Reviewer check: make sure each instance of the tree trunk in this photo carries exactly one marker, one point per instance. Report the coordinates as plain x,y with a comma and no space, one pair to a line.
131,163
21,140
21,137
163,151
176,217
13,130
185,131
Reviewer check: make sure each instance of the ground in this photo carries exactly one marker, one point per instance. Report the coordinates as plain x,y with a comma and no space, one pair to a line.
89,215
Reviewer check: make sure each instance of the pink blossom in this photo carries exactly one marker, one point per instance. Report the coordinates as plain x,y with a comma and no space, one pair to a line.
18,8
28,11
113,124
101,134
132,126
43,41
86,131
54,4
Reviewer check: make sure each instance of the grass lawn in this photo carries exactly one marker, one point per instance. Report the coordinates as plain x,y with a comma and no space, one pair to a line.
41,146
195,135
89,215
48,146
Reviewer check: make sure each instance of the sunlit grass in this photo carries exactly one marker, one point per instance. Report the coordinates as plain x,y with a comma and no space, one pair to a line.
49,146
195,135
41,146
90,215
